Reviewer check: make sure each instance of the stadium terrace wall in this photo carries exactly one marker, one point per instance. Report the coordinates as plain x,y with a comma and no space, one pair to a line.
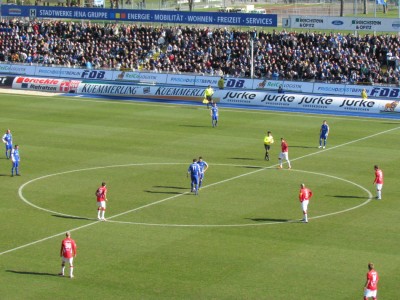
136,77
269,99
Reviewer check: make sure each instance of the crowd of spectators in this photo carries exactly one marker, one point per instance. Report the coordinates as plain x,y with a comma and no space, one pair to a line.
335,57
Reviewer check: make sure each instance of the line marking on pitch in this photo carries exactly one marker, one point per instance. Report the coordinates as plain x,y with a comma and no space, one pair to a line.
260,168
163,200
265,223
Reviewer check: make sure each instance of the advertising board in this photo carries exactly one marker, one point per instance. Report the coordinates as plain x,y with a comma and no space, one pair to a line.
260,98
181,79
6,81
45,84
288,86
309,102
135,76
86,74
152,92
345,23
154,16
21,69
48,71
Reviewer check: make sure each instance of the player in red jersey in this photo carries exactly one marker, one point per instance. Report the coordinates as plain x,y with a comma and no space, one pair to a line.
284,154
304,197
67,253
378,182
101,195
371,285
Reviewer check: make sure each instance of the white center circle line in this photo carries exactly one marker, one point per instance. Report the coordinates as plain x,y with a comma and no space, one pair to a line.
93,223
260,168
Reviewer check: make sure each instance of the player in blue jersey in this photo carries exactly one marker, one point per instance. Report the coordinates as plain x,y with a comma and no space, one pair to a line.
15,161
203,168
194,171
214,114
7,140
323,134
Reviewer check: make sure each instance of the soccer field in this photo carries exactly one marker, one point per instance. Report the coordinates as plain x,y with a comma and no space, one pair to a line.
238,239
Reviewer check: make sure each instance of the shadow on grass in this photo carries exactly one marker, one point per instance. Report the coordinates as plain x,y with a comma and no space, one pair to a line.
164,192
195,126
242,158
268,220
345,196
170,187
32,273
304,147
72,217
250,167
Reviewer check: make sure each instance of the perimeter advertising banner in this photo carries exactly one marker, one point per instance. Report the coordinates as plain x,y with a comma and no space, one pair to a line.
45,84
48,71
154,16
343,23
86,74
142,77
292,86
152,92
6,81
17,69
200,81
309,102
247,98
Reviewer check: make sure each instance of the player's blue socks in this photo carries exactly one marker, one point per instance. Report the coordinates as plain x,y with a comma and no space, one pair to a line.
12,171
195,188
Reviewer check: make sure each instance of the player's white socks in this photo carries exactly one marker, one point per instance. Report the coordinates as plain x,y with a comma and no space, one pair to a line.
62,270
98,214
102,214
305,218
379,194
71,271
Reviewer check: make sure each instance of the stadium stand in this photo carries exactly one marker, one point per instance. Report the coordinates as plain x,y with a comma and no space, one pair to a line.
366,59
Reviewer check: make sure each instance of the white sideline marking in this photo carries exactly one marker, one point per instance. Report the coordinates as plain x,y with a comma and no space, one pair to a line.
160,201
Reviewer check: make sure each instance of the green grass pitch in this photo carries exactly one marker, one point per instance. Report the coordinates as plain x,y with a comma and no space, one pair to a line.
238,239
